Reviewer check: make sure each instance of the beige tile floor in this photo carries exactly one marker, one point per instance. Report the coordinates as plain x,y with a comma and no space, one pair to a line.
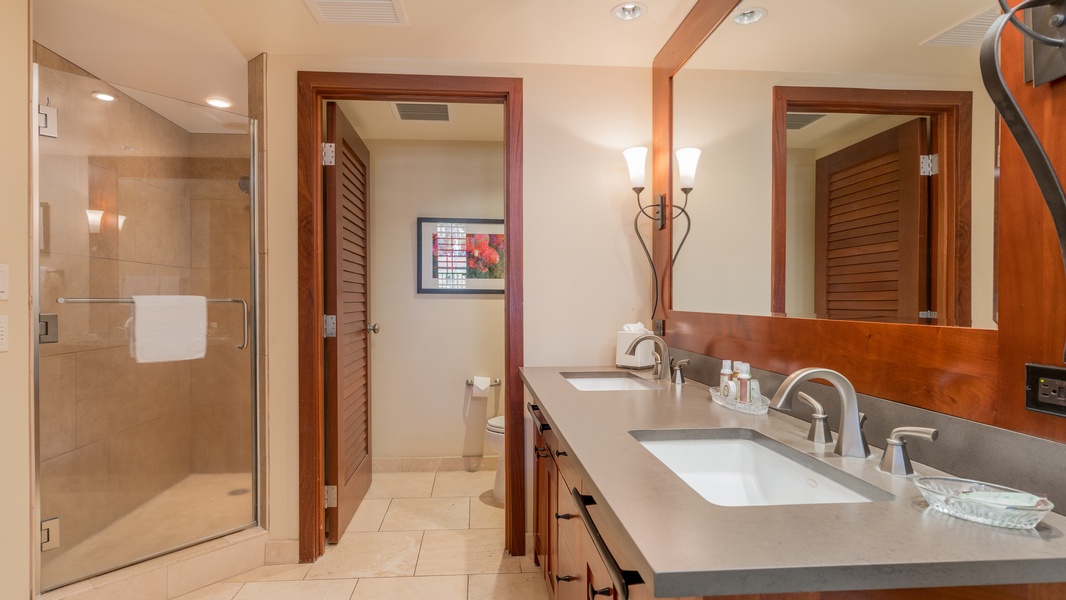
415,536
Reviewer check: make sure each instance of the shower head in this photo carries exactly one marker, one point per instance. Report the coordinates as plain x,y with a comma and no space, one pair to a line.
245,183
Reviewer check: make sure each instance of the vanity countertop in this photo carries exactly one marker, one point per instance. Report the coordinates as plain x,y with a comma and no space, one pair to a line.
683,545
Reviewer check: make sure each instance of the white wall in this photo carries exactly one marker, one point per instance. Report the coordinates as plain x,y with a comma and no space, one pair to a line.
16,400
430,344
584,275
727,114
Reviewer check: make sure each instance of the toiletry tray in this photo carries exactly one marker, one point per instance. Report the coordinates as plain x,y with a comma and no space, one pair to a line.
983,502
757,406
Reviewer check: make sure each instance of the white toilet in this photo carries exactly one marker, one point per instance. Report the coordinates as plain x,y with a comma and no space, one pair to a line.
494,437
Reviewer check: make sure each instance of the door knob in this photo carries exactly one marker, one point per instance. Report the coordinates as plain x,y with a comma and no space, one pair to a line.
374,328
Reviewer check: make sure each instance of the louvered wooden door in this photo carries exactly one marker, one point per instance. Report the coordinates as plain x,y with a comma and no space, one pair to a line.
871,238
348,449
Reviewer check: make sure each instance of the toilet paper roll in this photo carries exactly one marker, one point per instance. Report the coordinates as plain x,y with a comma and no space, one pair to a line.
481,387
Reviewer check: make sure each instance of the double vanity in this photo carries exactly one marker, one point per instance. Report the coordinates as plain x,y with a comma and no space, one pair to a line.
681,497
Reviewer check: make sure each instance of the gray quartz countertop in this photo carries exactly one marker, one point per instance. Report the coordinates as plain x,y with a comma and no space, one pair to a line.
685,546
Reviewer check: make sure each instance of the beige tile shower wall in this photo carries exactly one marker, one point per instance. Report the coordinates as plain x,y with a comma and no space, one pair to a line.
113,433
221,260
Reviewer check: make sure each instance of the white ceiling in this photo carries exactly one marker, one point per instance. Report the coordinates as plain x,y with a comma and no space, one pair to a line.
194,49
845,36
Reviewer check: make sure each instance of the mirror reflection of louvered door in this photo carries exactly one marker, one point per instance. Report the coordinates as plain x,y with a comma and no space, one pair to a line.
871,220
348,450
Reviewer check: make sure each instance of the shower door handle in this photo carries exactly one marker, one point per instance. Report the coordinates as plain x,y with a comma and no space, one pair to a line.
374,328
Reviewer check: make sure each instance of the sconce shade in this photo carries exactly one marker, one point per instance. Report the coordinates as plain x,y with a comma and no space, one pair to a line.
686,165
94,217
635,158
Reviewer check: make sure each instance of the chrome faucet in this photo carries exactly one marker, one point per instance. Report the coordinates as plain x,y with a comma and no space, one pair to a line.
664,354
850,441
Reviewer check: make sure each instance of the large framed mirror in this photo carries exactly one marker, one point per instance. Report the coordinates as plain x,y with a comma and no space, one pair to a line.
754,210
718,298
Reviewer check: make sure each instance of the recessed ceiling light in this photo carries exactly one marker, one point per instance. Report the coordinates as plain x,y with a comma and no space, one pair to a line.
104,96
629,10
219,102
747,16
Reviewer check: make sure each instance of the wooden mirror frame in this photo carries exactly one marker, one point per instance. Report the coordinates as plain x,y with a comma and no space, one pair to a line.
951,117
944,363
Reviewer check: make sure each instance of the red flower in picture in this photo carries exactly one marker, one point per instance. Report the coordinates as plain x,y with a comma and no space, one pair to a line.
484,256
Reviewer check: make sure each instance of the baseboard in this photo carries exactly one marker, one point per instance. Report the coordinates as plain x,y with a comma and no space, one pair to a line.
433,464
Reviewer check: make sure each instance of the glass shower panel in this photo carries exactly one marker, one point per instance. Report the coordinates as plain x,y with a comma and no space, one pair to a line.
142,196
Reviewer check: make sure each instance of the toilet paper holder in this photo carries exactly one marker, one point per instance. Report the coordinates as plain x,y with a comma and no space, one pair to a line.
495,382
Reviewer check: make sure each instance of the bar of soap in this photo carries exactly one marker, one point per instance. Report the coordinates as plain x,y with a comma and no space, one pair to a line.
1020,499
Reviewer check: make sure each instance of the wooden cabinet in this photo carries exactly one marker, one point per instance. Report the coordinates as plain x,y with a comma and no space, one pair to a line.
572,566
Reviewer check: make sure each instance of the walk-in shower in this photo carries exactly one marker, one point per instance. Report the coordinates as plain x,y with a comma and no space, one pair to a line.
140,455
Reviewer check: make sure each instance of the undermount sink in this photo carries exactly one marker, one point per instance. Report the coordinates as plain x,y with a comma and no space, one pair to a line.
742,467
608,381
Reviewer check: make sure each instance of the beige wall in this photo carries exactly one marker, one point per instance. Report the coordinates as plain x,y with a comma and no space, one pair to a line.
727,114
584,274
15,365
430,343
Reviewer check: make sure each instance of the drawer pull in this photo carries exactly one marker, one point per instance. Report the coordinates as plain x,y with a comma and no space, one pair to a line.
564,516
593,592
542,452
564,578
561,453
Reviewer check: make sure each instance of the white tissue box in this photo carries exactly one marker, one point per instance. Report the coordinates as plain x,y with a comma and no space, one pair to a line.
641,359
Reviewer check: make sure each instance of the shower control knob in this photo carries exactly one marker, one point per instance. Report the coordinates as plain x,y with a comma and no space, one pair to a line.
374,328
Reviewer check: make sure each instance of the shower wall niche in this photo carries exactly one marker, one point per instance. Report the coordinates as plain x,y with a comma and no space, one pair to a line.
139,459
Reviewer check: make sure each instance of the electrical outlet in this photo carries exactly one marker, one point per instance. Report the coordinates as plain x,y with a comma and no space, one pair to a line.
1045,389
3,333
5,280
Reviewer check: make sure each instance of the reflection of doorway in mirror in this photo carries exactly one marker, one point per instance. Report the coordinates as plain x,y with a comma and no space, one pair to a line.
872,238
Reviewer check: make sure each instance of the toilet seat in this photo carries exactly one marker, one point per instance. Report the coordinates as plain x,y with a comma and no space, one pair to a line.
495,425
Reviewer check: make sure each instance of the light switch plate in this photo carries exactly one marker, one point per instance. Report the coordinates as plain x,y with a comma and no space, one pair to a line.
3,333
4,280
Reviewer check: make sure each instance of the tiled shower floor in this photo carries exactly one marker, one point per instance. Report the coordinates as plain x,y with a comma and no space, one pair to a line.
415,536
176,517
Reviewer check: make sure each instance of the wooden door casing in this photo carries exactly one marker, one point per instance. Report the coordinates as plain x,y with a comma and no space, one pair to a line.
348,450
871,229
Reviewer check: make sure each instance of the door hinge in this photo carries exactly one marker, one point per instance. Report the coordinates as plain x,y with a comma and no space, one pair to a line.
331,496
50,534
928,164
329,155
329,326
927,314
48,328
48,121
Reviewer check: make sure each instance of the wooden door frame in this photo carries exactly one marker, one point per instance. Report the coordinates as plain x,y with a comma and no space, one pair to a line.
313,88
951,114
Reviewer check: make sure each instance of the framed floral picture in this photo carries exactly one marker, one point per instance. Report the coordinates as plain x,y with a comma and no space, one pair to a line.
460,256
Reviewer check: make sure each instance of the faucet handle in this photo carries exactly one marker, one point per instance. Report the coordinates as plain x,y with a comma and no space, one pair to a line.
676,367
819,432
895,459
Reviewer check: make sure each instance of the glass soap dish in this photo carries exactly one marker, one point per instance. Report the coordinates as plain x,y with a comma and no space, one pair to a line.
983,502
757,406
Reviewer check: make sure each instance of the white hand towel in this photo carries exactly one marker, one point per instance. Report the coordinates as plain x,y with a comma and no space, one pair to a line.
169,328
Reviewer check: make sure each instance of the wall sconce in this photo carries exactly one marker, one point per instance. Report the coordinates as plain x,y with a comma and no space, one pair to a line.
121,221
94,217
687,158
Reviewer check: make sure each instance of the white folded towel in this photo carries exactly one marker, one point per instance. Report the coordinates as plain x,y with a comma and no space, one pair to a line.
168,328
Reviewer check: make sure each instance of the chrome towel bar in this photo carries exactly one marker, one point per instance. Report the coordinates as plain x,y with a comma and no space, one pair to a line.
243,302
495,382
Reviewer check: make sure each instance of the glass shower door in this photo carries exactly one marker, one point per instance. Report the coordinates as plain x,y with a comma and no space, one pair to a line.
142,449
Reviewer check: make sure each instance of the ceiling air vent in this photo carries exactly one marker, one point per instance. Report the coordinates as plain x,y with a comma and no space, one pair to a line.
967,33
357,12
800,120
407,111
